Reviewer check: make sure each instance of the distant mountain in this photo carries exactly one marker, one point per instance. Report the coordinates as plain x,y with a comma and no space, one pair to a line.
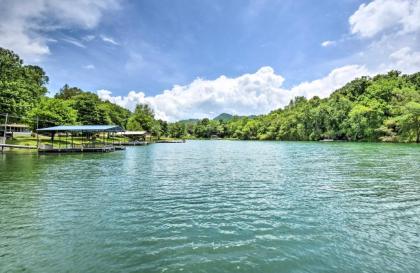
224,117
189,121
227,117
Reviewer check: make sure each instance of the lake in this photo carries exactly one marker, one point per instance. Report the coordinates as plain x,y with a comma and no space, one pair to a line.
213,206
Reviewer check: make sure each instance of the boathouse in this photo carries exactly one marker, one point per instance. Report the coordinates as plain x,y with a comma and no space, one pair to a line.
83,138
135,138
135,135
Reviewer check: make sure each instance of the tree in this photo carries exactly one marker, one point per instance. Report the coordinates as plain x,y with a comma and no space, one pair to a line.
141,119
88,111
177,130
22,86
67,92
114,114
164,127
364,120
51,112
410,121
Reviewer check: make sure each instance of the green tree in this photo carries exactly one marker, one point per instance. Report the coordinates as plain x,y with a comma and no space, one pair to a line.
141,119
410,121
365,120
22,86
115,114
51,112
67,92
88,111
177,130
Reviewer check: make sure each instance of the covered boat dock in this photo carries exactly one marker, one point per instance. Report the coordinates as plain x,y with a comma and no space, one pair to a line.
91,138
135,138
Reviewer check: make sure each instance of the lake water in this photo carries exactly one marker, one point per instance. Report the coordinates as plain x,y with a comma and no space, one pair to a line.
213,206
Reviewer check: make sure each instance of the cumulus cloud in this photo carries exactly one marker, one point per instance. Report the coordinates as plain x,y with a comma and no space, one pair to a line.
24,24
257,93
406,59
334,80
393,27
382,15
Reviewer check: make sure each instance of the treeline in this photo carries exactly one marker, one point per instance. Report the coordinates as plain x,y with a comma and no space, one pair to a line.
381,108
23,97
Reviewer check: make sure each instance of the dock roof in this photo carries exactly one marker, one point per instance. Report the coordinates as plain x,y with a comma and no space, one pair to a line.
134,133
83,128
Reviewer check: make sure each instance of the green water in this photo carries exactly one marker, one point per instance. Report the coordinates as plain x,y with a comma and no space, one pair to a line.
213,206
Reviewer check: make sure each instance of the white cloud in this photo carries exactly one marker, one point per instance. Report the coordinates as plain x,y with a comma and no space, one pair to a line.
109,40
24,24
382,15
394,28
256,93
334,80
74,42
130,101
328,43
406,59
89,67
411,22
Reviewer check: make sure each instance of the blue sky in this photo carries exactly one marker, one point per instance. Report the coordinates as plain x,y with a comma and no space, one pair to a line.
113,47
162,43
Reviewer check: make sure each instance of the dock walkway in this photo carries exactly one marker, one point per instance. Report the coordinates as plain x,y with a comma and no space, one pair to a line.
171,141
132,143
103,149
17,146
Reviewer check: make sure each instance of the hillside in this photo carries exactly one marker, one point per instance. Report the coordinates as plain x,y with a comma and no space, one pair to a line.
385,107
224,117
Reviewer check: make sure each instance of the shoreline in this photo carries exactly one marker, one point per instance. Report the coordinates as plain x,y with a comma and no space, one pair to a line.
30,141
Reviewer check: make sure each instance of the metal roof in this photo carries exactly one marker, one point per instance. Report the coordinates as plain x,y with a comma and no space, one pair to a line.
83,128
134,133
16,125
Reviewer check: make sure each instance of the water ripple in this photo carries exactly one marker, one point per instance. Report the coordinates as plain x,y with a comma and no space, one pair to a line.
213,206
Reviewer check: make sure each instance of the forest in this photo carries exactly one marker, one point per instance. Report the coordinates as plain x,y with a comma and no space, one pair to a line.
380,108
385,107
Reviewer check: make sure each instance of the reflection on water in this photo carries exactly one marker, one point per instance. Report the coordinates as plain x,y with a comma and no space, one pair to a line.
213,206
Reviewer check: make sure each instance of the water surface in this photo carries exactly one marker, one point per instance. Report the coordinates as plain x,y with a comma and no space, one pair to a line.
213,206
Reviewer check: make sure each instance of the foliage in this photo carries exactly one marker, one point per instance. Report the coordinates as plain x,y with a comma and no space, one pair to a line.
383,108
22,86
91,110
67,92
142,119
51,112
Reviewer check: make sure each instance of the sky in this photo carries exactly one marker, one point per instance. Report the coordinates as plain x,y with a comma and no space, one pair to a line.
200,58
